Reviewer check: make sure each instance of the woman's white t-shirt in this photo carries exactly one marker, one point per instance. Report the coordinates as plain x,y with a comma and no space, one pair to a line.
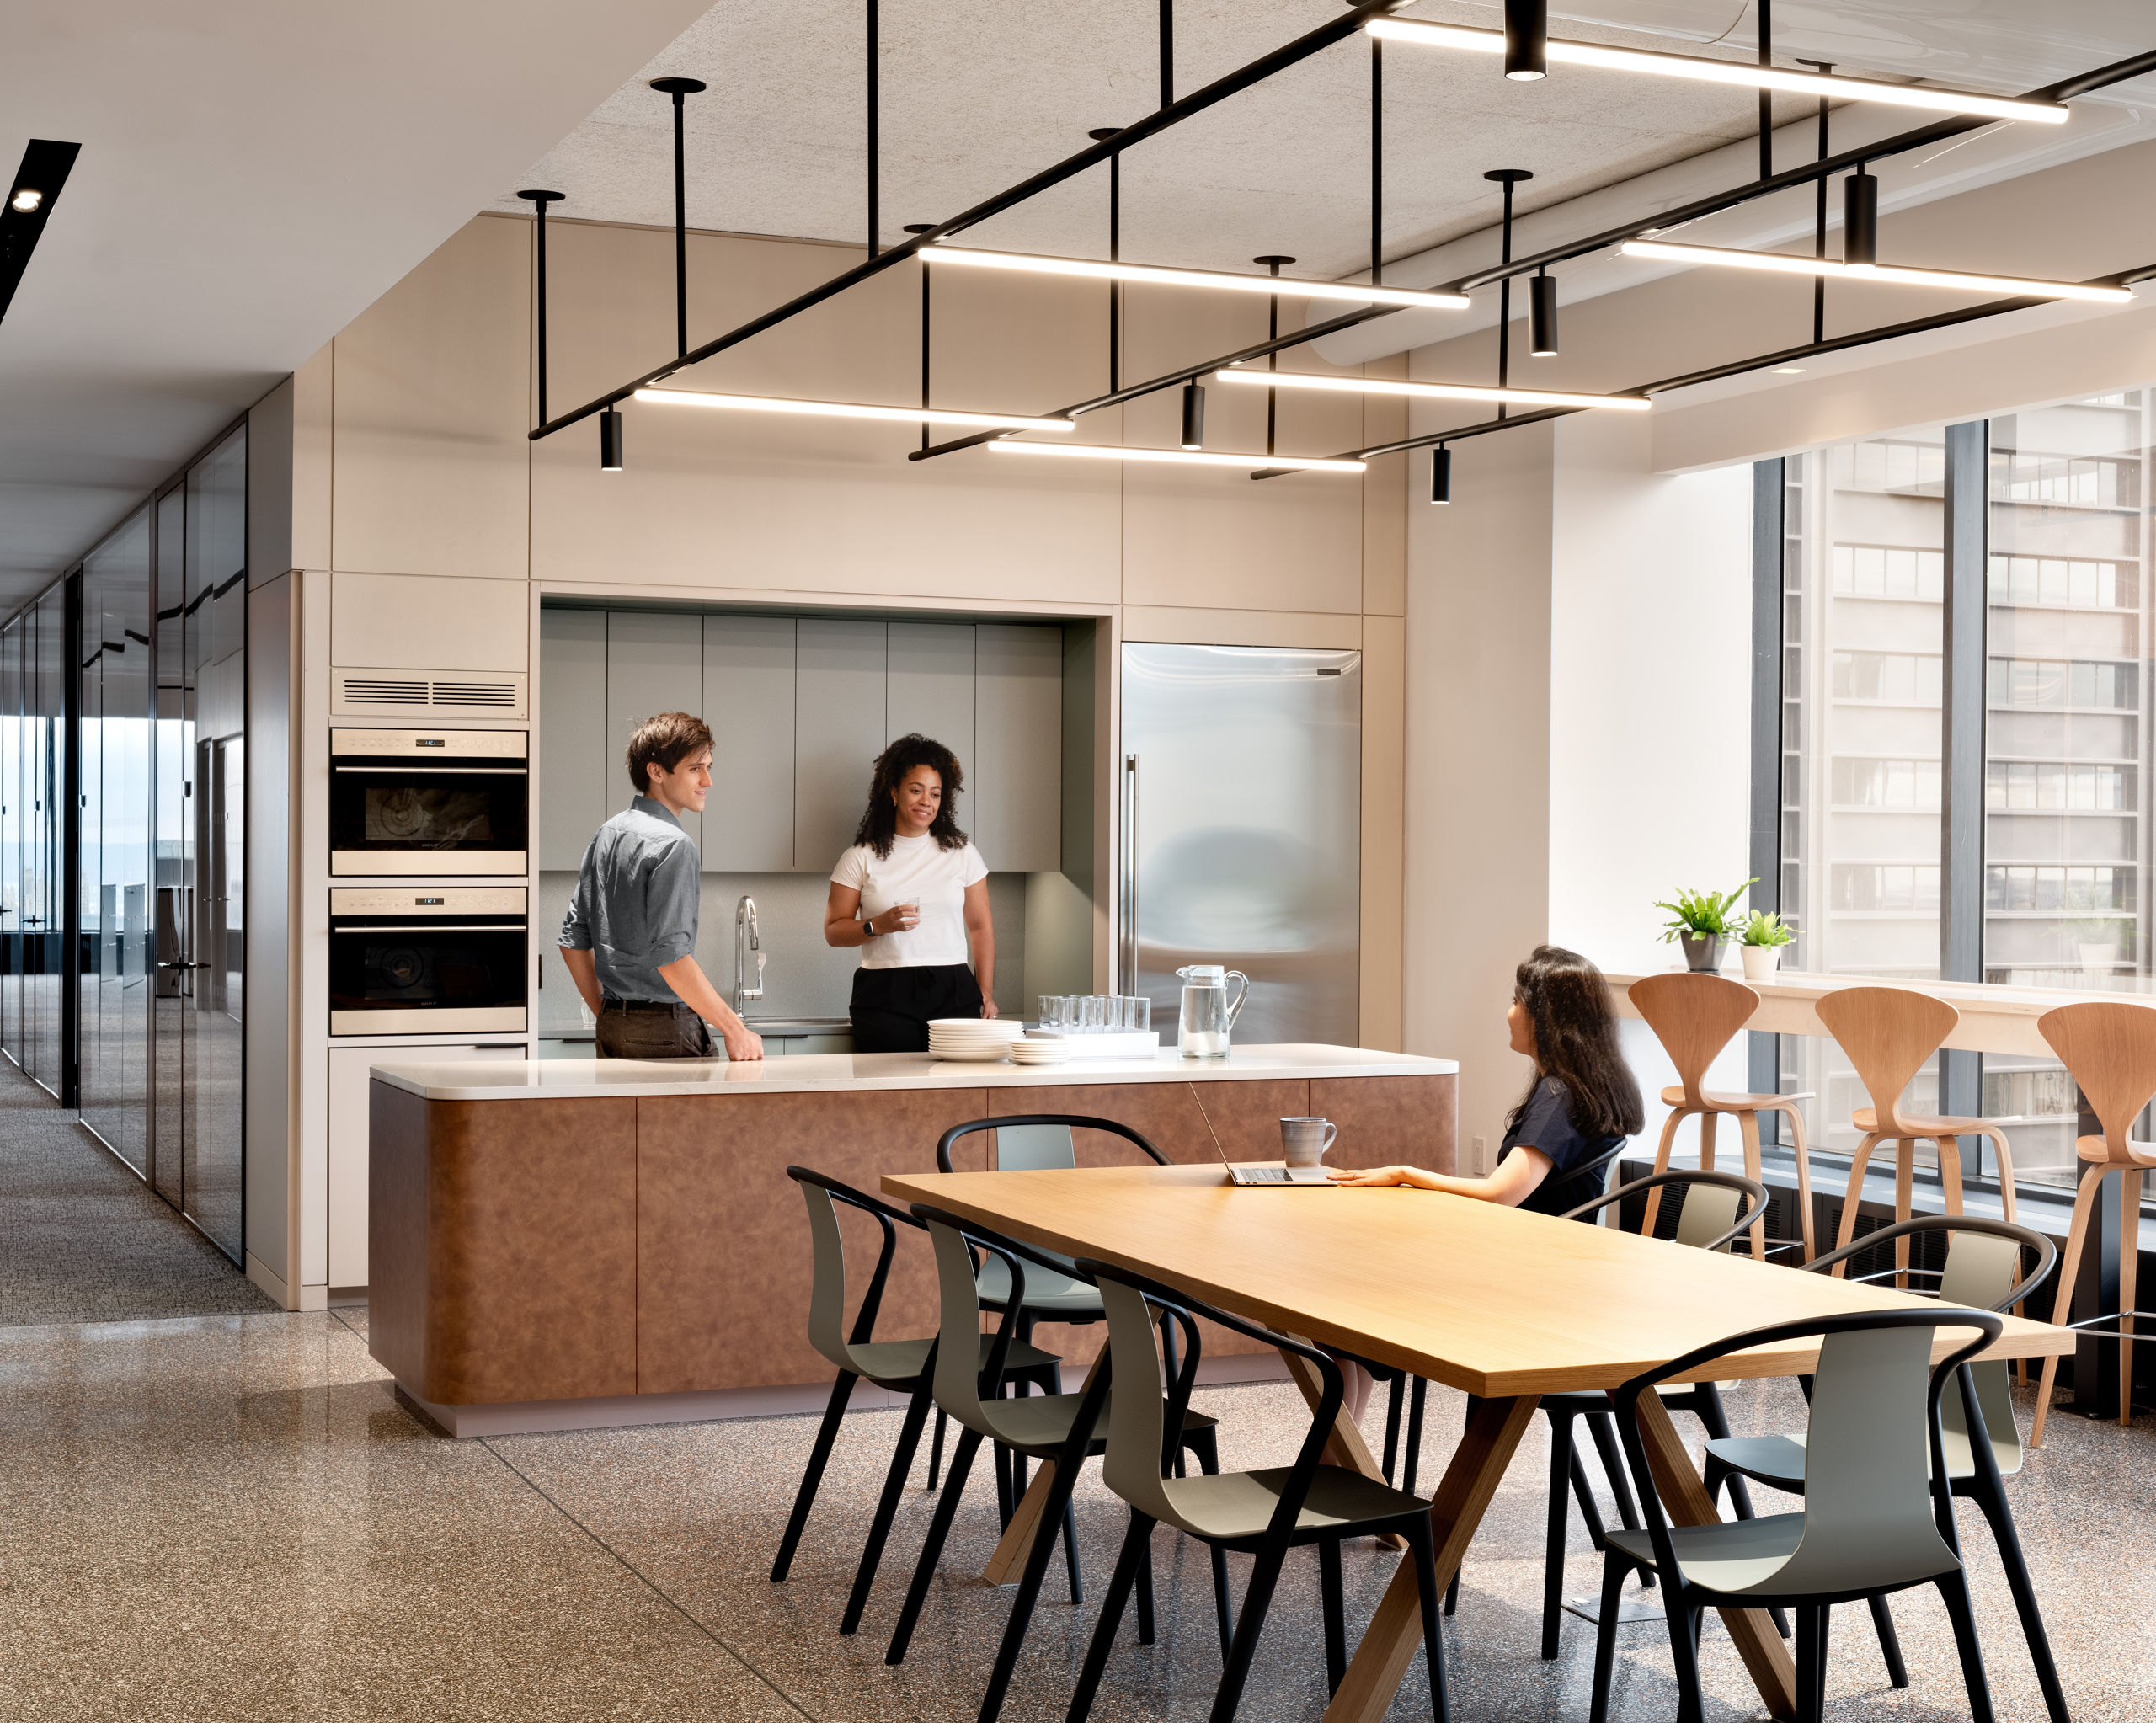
917,871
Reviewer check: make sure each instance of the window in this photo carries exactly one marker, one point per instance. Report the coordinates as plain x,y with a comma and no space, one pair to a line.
1865,759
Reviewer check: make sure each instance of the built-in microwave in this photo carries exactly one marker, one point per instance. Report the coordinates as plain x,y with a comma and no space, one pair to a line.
429,801
427,960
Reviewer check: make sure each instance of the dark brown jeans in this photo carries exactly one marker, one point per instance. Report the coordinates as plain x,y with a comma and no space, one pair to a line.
638,1030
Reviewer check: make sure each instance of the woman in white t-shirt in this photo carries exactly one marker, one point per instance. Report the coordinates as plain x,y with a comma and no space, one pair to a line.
912,893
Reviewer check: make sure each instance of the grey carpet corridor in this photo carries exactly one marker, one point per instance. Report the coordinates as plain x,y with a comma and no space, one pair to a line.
83,1240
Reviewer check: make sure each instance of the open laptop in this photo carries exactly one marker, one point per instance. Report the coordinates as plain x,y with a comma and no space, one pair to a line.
1259,1176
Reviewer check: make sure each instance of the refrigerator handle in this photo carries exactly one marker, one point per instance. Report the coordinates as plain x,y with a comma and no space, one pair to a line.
1127,981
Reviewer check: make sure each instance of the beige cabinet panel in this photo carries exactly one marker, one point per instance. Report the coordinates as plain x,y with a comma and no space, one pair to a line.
839,728
930,692
748,702
1016,770
573,769
654,663
349,1090
428,622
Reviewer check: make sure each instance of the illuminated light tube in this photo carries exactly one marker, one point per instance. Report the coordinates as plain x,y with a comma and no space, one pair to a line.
1782,263
847,409
1433,392
1362,294
1188,457
1726,71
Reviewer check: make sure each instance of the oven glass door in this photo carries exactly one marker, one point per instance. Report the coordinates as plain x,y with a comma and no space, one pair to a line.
450,818
389,976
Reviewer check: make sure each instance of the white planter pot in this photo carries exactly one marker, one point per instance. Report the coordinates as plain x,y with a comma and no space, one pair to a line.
1759,961
2094,956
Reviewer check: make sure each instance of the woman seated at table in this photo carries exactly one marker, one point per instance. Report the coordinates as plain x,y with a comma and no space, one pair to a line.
1583,1103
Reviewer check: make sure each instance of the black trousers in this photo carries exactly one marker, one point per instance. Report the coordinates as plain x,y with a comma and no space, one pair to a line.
645,1029
891,1007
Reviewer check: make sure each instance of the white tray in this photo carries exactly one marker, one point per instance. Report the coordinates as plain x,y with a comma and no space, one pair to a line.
1115,1043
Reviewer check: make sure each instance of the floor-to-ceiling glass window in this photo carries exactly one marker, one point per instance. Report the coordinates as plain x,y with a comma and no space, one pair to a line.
1862,743
2066,761
12,826
115,863
44,676
208,738
171,862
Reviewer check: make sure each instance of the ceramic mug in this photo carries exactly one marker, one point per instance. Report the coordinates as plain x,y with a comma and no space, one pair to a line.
1303,1141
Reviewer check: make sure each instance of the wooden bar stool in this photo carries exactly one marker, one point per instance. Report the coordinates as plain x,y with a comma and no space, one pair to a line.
1694,1016
1888,1032
2109,1048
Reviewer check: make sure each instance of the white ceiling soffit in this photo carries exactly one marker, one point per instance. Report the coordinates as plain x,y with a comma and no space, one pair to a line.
254,174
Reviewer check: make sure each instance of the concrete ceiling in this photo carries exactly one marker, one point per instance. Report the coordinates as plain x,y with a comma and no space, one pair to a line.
254,174
977,93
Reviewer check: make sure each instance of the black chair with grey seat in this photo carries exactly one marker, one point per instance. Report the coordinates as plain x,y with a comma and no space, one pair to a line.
1060,1428
899,1366
1717,1208
1878,1517
1262,1513
1983,1270
1031,1142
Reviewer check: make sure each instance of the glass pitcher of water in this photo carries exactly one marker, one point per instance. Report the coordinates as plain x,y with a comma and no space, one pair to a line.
1208,1016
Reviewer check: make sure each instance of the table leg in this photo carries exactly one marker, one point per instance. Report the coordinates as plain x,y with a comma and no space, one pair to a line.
1345,1448
1010,1555
1394,1639
1683,1494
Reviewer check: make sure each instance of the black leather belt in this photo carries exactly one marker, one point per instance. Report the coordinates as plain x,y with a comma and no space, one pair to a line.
645,1006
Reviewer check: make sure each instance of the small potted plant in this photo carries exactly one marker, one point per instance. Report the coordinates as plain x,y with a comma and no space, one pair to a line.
1760,943
1702,921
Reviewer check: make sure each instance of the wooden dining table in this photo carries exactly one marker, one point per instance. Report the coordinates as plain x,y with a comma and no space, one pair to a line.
1505,1304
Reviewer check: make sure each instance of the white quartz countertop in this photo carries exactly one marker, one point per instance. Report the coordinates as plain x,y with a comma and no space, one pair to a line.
813,1074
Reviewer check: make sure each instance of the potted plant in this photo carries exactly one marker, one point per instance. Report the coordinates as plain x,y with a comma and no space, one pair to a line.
1703,920
1761,941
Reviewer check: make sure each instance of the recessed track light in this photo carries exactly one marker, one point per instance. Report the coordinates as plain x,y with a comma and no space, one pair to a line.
1782,263
1358,293
1724,72
849,409
1188,457
1433,392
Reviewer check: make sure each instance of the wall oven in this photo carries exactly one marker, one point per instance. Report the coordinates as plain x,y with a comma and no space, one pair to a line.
428,801
427,960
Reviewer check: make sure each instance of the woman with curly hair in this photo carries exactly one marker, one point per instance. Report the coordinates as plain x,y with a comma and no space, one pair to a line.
912,893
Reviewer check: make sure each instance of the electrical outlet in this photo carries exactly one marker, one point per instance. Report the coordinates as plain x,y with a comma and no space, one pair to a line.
1481,1154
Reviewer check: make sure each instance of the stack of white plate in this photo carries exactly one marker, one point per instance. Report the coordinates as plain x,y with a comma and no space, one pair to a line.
1037,1051
974,1039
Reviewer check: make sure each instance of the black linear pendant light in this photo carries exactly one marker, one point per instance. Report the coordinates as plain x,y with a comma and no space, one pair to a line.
1194,416
1861,218
1441,474
609,440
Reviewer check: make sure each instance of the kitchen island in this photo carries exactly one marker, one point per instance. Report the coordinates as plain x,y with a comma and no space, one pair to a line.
569,1244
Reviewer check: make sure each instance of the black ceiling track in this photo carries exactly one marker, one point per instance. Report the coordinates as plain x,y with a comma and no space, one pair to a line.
46,164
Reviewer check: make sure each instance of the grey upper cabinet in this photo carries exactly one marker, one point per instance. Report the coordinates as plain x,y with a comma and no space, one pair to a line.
840,717
654,663
931,693
1016,770
573,774
748,702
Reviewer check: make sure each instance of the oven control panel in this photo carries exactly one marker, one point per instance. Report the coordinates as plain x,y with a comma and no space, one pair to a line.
429,745
426,901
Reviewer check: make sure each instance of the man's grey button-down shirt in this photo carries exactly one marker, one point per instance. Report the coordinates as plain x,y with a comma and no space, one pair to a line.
635,907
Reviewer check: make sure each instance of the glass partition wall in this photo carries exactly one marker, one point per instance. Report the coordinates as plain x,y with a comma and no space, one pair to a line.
144,885
2057,752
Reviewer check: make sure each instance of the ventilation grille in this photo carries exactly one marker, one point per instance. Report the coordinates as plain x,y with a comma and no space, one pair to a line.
403,692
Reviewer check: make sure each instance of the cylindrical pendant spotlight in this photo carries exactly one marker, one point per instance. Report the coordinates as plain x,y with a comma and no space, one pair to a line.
609,440
1527,39
1860,220
1542,316
1193,416
1441,474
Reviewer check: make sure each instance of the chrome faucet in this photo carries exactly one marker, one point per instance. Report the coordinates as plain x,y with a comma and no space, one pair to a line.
746,938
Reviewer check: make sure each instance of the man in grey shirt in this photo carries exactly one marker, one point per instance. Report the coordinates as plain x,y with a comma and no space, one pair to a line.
629,940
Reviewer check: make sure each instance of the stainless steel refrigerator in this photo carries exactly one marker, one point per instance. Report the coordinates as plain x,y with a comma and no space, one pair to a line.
1241,816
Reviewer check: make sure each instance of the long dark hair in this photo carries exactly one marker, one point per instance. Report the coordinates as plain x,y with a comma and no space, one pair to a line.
1567,1004
879,825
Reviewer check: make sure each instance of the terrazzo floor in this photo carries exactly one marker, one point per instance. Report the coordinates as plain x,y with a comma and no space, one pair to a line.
229,1516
